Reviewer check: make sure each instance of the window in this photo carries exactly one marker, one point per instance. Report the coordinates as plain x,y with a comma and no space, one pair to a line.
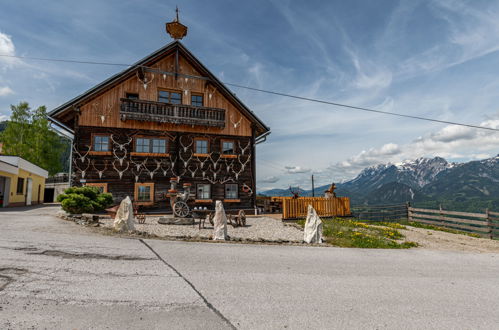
20,186
148,145
170,97
231,191
228,147
142,145
101,143
203,191
132,96
201,146
144,193
197,100
159,146
101,186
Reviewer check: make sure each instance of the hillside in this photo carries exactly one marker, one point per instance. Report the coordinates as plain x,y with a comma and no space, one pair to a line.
424,182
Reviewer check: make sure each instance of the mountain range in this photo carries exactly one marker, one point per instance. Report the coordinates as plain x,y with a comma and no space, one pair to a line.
424,182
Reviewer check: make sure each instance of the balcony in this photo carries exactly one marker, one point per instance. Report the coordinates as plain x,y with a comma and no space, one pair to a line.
132,109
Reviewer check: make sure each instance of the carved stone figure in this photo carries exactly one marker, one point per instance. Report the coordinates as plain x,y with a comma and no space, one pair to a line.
220,222
313,227
124,216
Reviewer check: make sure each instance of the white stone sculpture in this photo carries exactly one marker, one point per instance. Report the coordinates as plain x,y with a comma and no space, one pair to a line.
124,220
313,227
219,222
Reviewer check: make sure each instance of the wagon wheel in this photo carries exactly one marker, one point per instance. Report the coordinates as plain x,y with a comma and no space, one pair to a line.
242,218
181,209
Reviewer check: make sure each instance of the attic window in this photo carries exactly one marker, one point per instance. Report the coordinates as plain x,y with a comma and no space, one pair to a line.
197,100
170,97
132,96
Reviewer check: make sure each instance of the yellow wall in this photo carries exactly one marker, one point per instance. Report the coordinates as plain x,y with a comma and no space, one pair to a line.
19,199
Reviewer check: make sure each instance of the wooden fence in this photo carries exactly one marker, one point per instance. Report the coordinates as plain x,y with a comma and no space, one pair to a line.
384,213
485,224
325,207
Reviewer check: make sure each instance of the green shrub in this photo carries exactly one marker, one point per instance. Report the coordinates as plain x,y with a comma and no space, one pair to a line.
77,200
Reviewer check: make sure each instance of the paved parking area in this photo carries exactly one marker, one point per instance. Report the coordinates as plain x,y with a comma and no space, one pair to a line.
55,274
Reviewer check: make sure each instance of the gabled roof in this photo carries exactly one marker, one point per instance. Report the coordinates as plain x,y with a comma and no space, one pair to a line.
148,60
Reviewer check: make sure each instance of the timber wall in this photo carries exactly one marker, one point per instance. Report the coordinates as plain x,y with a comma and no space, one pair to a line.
88,169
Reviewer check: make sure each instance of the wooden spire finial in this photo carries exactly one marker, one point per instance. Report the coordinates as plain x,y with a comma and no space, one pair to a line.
176,29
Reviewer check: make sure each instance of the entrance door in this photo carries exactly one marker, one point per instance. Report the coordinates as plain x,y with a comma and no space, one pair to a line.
29,191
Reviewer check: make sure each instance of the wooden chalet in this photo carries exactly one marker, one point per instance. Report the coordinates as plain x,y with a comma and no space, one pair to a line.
165,117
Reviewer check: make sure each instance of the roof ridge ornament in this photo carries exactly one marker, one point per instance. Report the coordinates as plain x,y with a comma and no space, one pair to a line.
175,29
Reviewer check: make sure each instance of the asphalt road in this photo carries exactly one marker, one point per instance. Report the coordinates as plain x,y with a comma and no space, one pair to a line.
57,275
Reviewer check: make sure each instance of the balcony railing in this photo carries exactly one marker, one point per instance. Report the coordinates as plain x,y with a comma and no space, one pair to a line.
64,178
132,109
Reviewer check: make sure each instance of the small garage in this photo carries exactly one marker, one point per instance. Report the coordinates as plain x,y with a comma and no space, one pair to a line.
21,182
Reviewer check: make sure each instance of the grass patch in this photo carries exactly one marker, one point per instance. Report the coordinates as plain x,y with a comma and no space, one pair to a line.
394,225
447,230
349,233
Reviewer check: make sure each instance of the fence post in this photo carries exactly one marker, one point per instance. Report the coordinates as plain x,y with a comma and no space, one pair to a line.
408,211
441,216
489,224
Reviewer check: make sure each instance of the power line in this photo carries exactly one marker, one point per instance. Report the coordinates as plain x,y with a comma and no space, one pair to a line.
65,61
361,108
269,92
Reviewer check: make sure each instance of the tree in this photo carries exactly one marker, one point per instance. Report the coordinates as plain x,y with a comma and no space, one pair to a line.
28,135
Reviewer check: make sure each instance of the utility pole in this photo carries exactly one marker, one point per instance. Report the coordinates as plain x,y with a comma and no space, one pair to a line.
313,189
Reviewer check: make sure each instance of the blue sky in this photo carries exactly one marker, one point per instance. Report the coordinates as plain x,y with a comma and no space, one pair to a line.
427,58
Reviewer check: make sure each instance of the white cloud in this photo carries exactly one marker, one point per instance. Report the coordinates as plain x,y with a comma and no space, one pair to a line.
449,142
4,91
7,48
270,179
296,169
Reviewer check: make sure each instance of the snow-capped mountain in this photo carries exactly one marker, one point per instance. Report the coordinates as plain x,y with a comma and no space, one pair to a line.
415,174
471,186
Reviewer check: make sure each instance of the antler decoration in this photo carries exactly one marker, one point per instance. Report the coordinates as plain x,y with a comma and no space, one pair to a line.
138,165
236,124
229,164
226,179
83,171
120,173
136,173
163,168
121,159
243,150
181,175
82,157
238,173
100,172
121,146
102,112
211,90
185,161
204,161
143,78
185,147
243,165
193,173
151,173
215,173
215,163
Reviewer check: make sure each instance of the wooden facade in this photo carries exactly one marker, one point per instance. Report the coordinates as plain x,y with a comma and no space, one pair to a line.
167,116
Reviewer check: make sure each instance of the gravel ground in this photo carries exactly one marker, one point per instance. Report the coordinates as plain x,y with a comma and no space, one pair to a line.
443,241
257,228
